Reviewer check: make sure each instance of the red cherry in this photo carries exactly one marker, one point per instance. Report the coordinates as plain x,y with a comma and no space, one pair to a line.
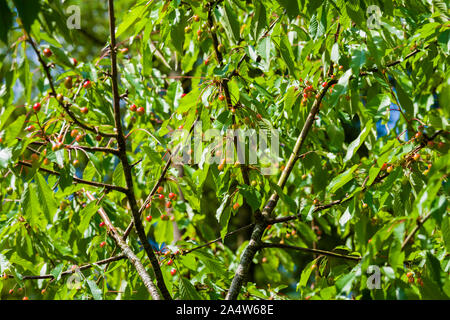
87,84
183,95
324,84
206,61
384,166
25,298
168,204
161,197
441,145
221,97
172,195
133,107
11,291
79,138
170,262
236,206
37,107
102,244
84,110
74,61
140,111
30,128
173,271
47,52
102,224
148,218
160,189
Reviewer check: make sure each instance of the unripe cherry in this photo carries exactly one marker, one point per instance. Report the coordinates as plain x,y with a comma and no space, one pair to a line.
74,133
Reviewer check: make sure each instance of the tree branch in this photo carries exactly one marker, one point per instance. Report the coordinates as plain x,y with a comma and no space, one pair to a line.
65,107
69,272
78,180
127,169
309,250
252,247
146,279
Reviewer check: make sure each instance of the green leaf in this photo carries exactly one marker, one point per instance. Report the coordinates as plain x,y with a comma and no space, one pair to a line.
6,19
405,100
354,146
341,179
358,60
259,22
45,197
95,290
285,198
214,265
136,13
286,53
344,284
164,232
86,215
445,228
251,196
291,7
306,273
119,176
187,290
377,106
335,53
5,157
231,23
28,11
223,214
340,88
56,272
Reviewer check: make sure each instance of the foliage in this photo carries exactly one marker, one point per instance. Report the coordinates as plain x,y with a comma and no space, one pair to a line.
385,101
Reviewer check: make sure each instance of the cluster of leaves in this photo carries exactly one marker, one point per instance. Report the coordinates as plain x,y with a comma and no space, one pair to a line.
230,64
